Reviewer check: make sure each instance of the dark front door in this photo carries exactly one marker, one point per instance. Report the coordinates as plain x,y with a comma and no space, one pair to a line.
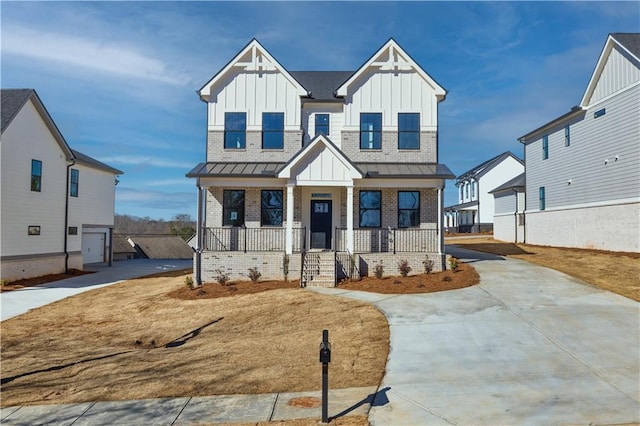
321,224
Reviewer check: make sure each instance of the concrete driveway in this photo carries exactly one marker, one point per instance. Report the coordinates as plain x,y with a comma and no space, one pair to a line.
528,345
18,302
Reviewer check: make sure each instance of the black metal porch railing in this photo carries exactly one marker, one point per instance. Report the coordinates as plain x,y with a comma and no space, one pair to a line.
388,240
252,239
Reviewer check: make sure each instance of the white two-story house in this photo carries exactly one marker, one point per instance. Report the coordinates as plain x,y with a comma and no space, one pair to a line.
583,168
57,204
319,174
476,206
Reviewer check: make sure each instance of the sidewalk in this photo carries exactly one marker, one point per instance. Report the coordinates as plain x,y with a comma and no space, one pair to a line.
194,410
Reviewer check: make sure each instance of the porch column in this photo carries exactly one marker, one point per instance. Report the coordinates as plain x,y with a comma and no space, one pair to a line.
199,235
289,232
350,219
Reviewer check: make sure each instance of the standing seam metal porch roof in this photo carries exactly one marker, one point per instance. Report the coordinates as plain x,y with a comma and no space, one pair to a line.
370,170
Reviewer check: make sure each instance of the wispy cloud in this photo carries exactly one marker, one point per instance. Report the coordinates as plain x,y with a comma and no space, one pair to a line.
93,54
144,161
169,182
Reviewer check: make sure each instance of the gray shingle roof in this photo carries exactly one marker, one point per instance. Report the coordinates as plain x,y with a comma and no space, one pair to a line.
12,102
516,182
486,166
631,41
321,84
92,162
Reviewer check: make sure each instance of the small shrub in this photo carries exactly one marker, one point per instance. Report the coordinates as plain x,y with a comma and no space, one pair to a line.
404,268
254,274
188,281
378,271
453,264
222,278
428,266
3,282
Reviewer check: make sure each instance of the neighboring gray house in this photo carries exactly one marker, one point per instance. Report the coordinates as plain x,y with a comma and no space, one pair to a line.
509,201
583,168
309,171
475,209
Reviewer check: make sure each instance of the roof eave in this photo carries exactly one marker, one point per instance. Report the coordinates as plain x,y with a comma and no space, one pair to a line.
575,112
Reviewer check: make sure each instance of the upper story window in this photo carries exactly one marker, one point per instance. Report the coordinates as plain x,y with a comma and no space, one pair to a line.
461,192
567,136
233,207
271,208
322,124
74,182
466,190
408,209
545,147
473,189
272,130
371,130
235,130
408,131
36,175
541,198
370,209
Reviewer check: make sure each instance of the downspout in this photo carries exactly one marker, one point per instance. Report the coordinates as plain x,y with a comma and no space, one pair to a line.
66,218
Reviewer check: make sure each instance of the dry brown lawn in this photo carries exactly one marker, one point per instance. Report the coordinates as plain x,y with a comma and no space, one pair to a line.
132,341
616,272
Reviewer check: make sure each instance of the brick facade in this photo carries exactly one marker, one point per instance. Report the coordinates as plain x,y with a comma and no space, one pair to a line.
237,264
253,150
390,152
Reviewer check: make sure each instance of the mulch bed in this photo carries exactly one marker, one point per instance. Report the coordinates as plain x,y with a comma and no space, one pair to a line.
29,282
465,276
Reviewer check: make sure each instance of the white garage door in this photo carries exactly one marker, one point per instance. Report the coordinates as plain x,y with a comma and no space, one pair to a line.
93,247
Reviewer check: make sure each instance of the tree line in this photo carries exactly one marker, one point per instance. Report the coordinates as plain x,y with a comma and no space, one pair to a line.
181,224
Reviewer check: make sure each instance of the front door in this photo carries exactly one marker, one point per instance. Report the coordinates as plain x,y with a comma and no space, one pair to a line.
321,224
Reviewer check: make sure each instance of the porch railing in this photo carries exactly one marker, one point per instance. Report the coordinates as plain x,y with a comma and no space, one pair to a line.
388,240
252,239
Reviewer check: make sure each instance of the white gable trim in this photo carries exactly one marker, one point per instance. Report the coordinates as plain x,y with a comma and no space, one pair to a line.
305,157
602,61
256,64
399,60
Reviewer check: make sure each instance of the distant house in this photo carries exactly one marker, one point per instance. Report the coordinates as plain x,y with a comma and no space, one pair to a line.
509,201
475,209
57,204
122,249
160,247
315,174
583,168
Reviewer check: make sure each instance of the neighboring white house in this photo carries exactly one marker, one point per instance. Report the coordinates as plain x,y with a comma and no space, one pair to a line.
475,209
509,201
57,204
319,174
583,168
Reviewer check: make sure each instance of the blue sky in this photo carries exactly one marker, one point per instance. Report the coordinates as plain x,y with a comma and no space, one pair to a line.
120,78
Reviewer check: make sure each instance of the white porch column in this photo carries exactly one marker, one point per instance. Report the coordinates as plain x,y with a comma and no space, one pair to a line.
350,218
289,232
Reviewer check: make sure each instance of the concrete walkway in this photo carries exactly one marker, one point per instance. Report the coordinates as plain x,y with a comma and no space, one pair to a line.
13,303
528,345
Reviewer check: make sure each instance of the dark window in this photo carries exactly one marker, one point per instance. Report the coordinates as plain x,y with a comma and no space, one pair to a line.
322,124
271,208
36,175
599,113
75,180
370,209
370,130
567,136
73,230
545,147
272,130
408,131
33,230
408,209
541,197
233,207
235,130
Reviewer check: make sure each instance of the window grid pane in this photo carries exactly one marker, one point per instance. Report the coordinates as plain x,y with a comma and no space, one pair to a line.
75,180
408,131
370,130
233,207
370,209
272,130
567,136
235,126
322,124
542,200
408,209
545,147
271,208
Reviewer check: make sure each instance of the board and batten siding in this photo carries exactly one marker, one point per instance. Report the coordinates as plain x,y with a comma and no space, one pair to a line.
22,207
336,121
618,73
391,93
254,93
589,163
